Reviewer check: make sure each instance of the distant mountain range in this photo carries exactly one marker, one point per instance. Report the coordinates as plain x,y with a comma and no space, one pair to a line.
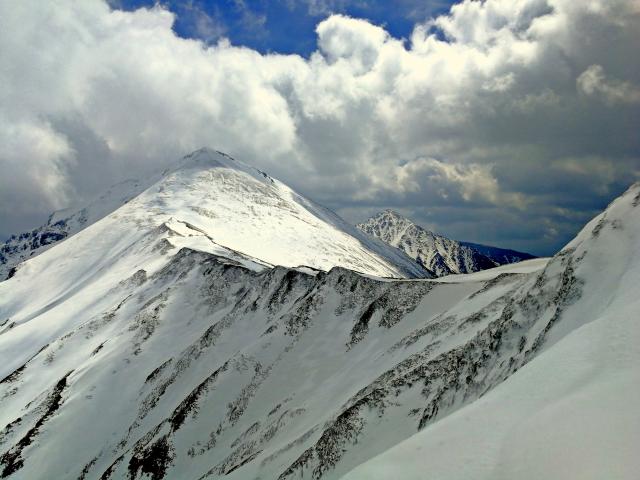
502,256
436,253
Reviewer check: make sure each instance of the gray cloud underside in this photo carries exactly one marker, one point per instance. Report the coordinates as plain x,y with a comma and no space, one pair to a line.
509,121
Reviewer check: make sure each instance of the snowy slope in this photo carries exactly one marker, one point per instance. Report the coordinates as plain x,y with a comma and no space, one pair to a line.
232,204
435,252
64,223
142,348
570,413
526,266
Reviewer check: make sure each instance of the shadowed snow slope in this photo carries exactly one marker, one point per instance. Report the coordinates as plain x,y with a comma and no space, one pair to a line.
144,347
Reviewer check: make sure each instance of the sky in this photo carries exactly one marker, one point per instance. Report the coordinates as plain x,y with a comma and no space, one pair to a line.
508,122
284,26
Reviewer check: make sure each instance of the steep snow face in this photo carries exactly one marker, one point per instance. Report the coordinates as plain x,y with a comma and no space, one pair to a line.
248,211
572,411
157,353
64,223
229,204
436,253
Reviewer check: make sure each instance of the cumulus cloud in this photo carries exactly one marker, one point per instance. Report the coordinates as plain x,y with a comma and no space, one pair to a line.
444,181
518,111
594,82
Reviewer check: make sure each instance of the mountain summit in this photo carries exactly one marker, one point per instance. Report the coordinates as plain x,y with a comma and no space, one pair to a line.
226,203
438,254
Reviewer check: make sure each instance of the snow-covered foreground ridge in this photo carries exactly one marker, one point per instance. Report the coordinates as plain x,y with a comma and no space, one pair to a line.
153,352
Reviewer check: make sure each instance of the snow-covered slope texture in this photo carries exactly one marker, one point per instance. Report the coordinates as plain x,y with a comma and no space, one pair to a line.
436,253
231,204
141,355
64,223
570,413
502,256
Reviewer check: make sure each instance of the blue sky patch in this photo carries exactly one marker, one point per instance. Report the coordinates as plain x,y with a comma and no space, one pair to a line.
285,26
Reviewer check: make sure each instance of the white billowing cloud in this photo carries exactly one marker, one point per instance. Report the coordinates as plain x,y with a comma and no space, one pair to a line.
594,82
480,24
470,182
439,182
466,123
355,42
36,158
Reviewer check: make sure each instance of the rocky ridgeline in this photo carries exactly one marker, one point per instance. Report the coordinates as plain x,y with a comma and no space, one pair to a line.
199,407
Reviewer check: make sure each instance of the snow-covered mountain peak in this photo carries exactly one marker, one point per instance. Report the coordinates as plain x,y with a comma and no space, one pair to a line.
207,158
438,254
390,226
389,213
391,217
246,210
227,204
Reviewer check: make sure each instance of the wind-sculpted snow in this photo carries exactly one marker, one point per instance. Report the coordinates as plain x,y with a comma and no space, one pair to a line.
146,355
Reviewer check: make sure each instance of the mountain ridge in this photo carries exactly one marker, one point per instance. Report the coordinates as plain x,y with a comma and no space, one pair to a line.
502,256
204,362
435,252
250,195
